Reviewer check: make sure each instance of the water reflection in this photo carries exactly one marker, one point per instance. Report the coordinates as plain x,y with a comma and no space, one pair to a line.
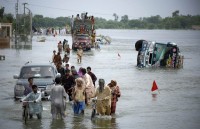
105,123
154,96
180,101
33,124
21,46
79,120
57,124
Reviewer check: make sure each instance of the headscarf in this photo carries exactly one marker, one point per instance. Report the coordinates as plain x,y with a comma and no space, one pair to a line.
113,83
101,85
79,81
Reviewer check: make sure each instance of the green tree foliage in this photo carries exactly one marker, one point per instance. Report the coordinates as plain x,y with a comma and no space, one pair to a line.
177,21
115,16
7,18
1,12
124,19
45,22
175,13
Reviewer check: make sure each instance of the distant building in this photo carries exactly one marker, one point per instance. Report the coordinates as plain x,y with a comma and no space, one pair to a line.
196,27
5,34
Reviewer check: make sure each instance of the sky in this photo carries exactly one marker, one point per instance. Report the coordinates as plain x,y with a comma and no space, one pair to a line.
135,9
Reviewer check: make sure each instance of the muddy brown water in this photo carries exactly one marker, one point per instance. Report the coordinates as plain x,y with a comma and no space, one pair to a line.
177,106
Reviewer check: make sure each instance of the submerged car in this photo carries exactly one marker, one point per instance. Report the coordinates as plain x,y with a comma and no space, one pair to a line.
82,40
155,54
43,76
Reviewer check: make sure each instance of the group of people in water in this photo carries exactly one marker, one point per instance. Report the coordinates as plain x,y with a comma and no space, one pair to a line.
78,86
64,47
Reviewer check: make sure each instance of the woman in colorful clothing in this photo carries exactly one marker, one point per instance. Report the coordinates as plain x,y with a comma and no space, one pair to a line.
115,95
103,94
79,96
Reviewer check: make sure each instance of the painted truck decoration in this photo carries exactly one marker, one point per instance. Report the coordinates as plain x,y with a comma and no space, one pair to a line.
154,54
81,34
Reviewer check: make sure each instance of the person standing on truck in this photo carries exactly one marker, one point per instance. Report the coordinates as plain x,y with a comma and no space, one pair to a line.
79,54
92,19
86,17
77,17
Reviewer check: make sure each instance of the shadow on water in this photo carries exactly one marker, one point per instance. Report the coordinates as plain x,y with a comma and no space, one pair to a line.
20,45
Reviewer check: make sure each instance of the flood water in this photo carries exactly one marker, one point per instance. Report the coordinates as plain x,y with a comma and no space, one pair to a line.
176,106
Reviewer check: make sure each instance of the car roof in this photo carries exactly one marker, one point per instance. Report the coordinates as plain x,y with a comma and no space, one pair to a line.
37,65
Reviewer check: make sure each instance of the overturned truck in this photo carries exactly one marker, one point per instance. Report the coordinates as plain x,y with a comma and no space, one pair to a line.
154,54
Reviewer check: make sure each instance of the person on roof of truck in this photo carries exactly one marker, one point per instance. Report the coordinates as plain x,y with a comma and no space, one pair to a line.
77,17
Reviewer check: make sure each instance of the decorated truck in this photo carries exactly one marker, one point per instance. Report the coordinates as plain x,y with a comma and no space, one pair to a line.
82,31
155,54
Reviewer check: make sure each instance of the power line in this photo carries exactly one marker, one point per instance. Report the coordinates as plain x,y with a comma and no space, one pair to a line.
66,9
69,10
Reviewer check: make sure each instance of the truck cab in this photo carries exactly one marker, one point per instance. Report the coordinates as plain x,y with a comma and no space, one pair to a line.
81,34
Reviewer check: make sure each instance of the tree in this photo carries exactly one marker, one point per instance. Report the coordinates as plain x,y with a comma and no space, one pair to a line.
153,22
175,13
1,12
9,18
38,16
116,16
124,18
153,19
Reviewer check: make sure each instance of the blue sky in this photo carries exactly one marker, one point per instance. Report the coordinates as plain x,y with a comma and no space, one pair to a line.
105,8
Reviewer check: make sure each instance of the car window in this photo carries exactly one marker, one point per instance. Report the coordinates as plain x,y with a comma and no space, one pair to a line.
37,72
80,38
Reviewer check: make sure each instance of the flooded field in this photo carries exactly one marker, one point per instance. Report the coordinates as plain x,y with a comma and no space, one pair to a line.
177,106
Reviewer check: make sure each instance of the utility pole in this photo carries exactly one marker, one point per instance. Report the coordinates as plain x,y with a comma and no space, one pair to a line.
24,17
24,7
30,16
16,26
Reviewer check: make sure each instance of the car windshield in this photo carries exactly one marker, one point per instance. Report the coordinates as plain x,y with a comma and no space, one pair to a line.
37,72
82,37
